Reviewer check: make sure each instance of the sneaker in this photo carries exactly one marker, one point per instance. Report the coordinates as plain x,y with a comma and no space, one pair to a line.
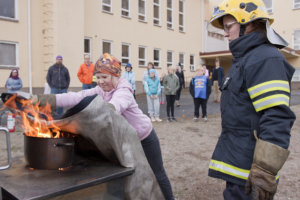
169,119
152,119
173,119
158,119
205,119
196,119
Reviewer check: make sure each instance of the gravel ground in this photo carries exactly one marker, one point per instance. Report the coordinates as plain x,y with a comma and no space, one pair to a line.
187,148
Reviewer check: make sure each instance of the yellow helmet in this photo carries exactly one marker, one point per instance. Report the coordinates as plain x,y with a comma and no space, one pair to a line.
244,11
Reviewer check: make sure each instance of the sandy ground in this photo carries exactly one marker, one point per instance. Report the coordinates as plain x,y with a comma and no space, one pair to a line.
187,147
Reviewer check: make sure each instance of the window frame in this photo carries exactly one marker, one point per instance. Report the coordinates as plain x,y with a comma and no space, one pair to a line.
90,44
108,5
140,14
16,18
192,67
159,13
124,10
140,59
182,63
171,10
296,76
294,33
129,53
172,58
296,4
111,47
16,52
269,10
181,27
159,61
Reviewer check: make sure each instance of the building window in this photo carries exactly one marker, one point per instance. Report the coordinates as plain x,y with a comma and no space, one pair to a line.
192,63
181,59
170,14
107,6
296,76
296,40
88,46
142,10
106,47
125,8
169,58
9,54
296,3
156,57
269,5
8,9
142,56
156,12
181,15
125,54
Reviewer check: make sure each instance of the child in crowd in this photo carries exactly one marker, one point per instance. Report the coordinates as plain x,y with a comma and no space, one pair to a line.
153,88
162,98
130,77
200,89
171,85
13,83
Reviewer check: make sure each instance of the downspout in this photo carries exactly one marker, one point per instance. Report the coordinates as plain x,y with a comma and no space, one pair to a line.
29,46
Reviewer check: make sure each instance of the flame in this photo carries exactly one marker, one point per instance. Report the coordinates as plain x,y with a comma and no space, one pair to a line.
36,120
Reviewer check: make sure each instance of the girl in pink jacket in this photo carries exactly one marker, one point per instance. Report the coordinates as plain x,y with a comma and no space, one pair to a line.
118,92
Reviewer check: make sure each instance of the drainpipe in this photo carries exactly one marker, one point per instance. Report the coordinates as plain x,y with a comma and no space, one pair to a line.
29,46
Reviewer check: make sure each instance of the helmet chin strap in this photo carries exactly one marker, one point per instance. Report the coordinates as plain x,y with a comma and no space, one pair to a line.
242,30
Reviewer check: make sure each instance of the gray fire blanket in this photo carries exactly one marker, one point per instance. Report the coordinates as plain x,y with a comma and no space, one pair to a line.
115,138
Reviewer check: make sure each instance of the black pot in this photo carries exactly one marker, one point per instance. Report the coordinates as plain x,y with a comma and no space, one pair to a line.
48,153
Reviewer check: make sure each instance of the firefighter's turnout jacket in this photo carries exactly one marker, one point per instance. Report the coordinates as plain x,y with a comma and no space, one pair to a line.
255,96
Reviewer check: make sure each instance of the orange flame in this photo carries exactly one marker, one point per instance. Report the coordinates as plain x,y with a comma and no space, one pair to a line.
36,120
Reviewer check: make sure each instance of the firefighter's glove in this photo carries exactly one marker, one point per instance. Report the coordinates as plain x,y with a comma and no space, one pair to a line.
267,161
43,99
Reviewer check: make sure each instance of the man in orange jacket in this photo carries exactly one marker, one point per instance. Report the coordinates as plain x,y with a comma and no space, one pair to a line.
85,73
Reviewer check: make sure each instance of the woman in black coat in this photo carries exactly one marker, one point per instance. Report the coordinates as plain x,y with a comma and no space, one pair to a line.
180,76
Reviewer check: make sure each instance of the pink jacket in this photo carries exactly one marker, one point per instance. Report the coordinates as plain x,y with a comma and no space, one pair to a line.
121,97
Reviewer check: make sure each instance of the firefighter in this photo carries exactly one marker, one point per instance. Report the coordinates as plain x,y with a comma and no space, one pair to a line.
256,116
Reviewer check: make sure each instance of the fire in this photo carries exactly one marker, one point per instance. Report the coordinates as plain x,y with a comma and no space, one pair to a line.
36,120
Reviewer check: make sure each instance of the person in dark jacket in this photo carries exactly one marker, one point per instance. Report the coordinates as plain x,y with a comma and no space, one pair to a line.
13,83
217,78
200,89
180,75
255,103
58,78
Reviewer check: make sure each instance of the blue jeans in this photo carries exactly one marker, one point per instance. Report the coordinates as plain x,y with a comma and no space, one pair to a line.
59,110
152,151
87,86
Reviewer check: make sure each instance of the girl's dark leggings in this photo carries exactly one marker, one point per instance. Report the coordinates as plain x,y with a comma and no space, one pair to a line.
170,104
152,151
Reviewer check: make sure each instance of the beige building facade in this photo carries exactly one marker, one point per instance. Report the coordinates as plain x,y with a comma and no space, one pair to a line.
165,32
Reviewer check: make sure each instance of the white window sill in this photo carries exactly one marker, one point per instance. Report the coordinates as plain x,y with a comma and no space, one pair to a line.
107,12
8,67
126,17
9,19
143,21
158,25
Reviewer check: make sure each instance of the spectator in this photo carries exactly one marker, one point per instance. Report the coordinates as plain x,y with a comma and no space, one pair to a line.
171,85
162,99
13,83
152,88
206,71
200,89
180,75
85,73
130,77
217,78
145,77
58,79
